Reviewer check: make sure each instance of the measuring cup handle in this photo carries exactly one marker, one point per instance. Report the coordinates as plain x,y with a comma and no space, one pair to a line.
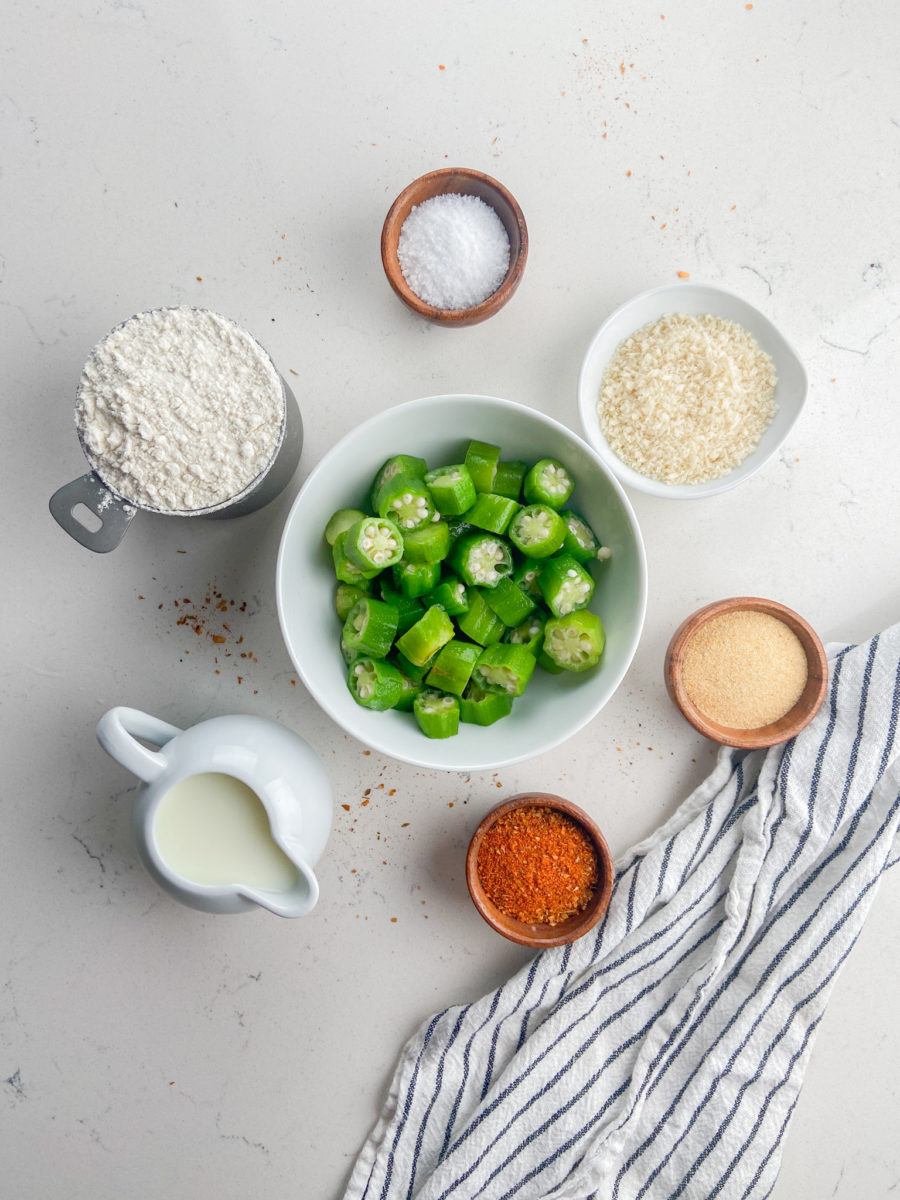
118,731
91,492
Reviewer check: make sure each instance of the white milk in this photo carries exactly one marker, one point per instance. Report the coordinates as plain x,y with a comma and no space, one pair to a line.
213,829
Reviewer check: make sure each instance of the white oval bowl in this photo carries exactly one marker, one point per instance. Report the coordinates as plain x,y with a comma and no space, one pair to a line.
693,300
438,428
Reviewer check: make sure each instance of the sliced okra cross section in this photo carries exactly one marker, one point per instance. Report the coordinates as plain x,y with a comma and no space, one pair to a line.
436,713
565,585
477,707
428,544
452,489
505,667
423,640
374,683
529,633
374,543
346,596
481,559
537,530
451,595
406,500
416,579
345,569
453,666
549,482
370,627
398,464
340,522
580,540
574,642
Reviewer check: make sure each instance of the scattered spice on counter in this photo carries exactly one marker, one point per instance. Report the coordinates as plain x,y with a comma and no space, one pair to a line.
537,865
453,251
744,669
686,398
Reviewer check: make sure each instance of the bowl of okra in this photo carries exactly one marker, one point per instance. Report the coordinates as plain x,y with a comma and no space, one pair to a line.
461,583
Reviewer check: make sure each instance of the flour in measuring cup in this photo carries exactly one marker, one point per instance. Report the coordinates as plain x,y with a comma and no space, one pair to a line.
179,409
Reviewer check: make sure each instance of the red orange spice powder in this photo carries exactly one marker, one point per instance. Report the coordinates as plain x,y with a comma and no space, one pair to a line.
537,865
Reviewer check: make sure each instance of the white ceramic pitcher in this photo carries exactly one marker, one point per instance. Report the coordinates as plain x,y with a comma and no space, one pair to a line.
274,763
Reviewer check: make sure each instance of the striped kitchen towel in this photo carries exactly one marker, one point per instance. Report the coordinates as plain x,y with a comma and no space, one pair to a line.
662,1054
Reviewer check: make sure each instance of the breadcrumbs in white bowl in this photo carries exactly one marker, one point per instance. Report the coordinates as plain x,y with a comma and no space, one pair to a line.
687,390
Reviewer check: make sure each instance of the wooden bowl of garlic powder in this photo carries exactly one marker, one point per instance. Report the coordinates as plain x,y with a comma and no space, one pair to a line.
746,672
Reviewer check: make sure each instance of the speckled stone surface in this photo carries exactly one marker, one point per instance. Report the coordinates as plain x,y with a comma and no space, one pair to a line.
242,158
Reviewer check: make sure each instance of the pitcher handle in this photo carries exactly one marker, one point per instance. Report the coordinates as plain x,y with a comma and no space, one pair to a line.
90,492
118,731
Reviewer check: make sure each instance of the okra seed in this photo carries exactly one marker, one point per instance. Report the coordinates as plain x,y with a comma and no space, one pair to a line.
367,543
572,573
407,498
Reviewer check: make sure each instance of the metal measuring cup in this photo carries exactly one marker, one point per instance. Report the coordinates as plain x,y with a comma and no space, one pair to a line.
109,514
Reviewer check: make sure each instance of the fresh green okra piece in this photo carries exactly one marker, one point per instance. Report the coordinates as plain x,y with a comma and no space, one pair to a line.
373,544
346,570
537,530
346,596
411,689
480,623
580,540
491,512
548,482
459,527
452,489
505,667
423,640
409,609
565,585
451,595
374,683
574,642
481,463
526,576
530,633
406,500
370,627
481,559
511,604
340,522
452,667
409,669
437,714
477,707
398,464
429,544
508,478
416,579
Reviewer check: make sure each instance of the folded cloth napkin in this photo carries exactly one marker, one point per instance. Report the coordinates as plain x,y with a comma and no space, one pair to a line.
662,1054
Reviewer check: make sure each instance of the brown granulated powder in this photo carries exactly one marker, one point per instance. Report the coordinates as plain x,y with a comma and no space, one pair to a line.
744,669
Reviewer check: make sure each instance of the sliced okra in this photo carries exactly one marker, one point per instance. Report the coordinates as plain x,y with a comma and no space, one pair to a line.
477,707
480,622
565,585
346,596
529,633
374,683
423,640
526,576
481,462
451,595
459,528
537,530
492,512
437,714
481,559
410,669
406,500
370,627
398,464
511,604
374,543
505,667
429,544
574,642
411,689
452,489
549,482
453,665
409,609
416,579
344,568
580,540
509,477
340,522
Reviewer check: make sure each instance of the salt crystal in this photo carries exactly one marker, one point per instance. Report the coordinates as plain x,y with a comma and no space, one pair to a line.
453,251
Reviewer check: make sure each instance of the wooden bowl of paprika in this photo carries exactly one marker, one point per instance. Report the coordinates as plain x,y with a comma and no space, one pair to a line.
539,870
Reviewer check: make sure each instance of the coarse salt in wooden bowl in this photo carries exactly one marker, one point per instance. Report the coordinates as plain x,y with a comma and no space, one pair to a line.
459,181
797,717
541,936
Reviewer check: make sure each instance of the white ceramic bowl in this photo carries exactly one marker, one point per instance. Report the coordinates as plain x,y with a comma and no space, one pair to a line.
692,299
438,429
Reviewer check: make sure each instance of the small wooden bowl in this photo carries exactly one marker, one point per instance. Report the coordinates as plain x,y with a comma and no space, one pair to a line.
459,180
778,731
542,936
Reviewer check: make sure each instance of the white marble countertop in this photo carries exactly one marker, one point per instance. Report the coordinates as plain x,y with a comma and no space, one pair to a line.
242,157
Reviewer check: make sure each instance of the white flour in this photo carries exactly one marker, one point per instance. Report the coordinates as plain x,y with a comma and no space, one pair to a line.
179,409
